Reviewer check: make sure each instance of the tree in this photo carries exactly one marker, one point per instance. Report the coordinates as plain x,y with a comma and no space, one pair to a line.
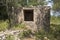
56,5
31,2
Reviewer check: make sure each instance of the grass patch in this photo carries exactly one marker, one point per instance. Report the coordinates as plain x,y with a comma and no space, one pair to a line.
55,20
24,34
3,25
10,37
19,26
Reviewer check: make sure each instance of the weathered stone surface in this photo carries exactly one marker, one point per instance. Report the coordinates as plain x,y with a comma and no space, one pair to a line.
43,18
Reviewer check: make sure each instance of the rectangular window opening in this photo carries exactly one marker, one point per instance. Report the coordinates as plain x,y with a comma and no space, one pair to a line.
28,15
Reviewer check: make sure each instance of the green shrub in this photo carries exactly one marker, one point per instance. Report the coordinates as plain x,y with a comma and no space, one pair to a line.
10,37
40,35
53,34
55,31
24,34
3,25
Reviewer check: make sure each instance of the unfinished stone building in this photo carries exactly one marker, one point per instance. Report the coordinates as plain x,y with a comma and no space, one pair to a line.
34,17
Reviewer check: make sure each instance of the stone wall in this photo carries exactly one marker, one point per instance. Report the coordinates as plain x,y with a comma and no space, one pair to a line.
41,17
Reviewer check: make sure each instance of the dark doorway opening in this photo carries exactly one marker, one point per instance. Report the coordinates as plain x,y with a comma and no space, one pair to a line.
28,15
